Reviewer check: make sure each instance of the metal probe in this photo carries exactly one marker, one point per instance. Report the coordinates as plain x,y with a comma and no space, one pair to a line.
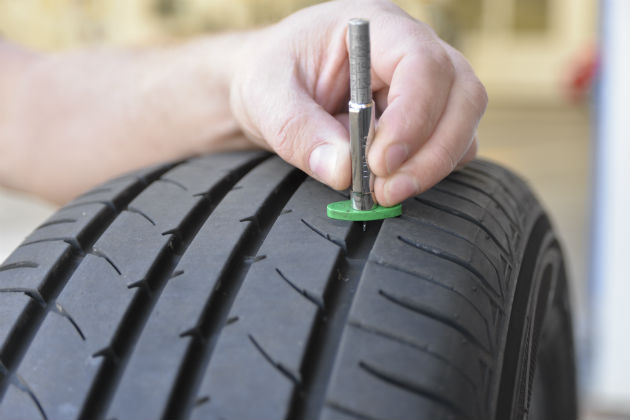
361,112
362,205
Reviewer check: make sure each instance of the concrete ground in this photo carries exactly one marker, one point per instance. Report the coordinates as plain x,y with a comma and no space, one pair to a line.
547,145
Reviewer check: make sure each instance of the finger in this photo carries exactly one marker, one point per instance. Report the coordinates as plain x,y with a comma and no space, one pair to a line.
380,100
443,151
420,82
344,119
470,154
302,133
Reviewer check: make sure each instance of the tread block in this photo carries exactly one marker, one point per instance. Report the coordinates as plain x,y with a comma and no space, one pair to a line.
184,297
431,241
73,222
234,335
376,314
111,193
94,281
58,376
30,266
227,160
142,174
451,223
12,304
18,405
58,352
132,258
283,332
354,387
471,212
175,204
483,197
395,256
198,175
445,301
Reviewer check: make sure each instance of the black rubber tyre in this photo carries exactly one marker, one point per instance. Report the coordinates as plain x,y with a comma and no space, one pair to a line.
218,288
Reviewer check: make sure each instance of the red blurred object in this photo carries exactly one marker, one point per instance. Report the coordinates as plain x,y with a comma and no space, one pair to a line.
581,74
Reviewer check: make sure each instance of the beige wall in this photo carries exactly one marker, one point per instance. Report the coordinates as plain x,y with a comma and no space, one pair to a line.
57,24
530,66
522,66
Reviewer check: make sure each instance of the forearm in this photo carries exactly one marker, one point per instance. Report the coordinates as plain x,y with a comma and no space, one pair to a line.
97,113
13,63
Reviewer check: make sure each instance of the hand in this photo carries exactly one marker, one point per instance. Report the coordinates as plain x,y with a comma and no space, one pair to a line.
291,88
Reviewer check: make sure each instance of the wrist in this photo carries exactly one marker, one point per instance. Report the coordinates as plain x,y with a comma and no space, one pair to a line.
220,56
212,63
184,93
249,57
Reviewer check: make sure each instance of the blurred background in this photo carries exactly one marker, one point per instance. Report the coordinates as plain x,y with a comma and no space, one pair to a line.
537,59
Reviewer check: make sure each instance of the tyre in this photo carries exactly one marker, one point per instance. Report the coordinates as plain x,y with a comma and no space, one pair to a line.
216,287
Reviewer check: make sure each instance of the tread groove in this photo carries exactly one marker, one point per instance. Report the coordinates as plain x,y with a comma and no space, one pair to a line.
340,243
486,193
324,340
20,338
107,203
95,191
430,313
102,255
409,386
17,265
76,246
415,326
440,253
437,283
56,222
172,182
22,385
139,212
216,310
121,345
308,295
465,216
60,310
456,235
32,293
348,411
410,343
277,365
498,180
474,203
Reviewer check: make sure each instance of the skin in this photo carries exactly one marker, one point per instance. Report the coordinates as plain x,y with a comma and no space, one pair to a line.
71,120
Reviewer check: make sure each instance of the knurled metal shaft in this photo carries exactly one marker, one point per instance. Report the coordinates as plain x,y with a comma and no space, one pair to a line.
361,113
360,80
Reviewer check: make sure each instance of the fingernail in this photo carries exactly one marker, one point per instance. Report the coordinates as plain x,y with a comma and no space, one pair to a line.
395,155
399,188
323,162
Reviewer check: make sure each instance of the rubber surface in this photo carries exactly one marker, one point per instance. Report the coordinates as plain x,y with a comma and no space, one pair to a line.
218,288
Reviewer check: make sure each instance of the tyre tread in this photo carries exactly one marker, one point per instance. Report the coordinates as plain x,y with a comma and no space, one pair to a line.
239,250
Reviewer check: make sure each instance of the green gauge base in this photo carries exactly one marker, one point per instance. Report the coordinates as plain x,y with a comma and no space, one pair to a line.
343,210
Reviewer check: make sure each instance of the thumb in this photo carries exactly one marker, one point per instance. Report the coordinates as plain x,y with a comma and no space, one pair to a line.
302,133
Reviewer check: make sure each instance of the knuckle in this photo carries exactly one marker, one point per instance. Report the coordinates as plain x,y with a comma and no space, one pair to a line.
444,159
444,64
285,136
478,95
434,58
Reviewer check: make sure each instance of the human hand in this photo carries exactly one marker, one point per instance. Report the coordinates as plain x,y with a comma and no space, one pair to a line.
291,88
